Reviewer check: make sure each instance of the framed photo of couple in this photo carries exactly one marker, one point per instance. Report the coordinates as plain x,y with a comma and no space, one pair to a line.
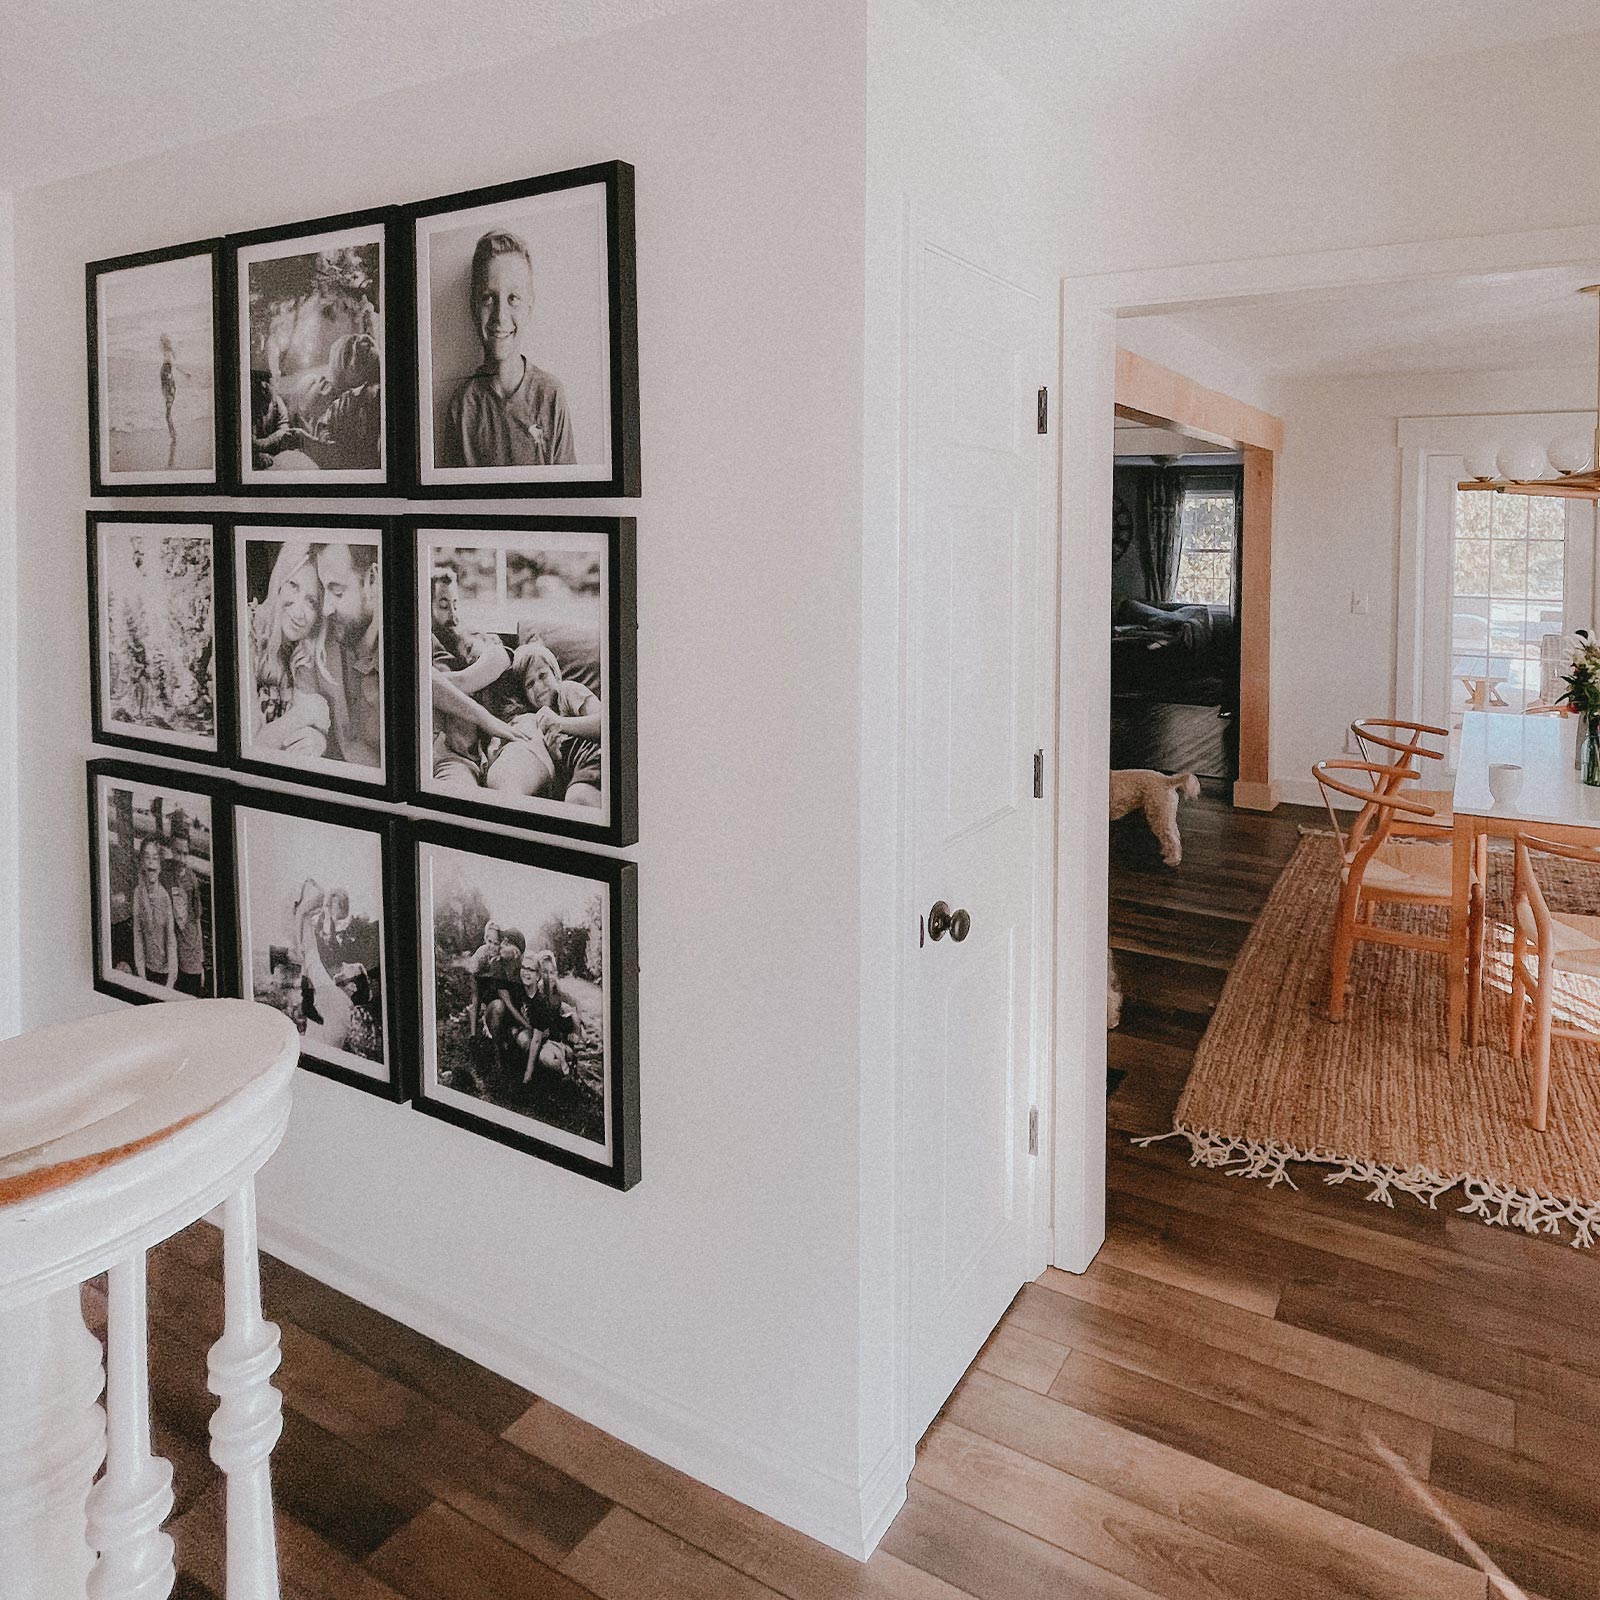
524,652
313,615
528,996
321,935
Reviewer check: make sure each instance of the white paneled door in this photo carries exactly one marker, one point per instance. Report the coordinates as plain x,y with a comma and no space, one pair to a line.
980,506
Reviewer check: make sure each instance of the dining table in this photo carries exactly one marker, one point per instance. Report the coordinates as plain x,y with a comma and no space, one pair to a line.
1551,802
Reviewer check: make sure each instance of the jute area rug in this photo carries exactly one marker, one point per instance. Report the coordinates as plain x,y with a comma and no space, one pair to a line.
1275,1082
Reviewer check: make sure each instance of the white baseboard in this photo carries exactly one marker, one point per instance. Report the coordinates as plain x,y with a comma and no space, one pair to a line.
1306,792
848,1517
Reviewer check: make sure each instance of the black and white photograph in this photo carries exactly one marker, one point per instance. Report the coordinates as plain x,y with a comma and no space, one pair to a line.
311,309
527,366
309,624
153,853
525,671
153,343
153,624
528,977
315,931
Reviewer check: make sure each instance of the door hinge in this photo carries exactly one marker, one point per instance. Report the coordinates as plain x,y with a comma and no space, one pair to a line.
1033,1130
1038,774
1044,411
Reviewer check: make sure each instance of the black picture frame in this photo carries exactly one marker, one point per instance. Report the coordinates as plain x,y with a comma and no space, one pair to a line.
103,730
617,536
158,481
397,385
622,479
103,940
618,878
397,945
394,696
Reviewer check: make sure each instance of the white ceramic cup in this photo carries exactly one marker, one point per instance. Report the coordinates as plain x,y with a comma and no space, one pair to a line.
1505,782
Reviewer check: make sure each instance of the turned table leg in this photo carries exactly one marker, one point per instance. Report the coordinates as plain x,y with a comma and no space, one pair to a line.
249,1414
52,1440
134,1497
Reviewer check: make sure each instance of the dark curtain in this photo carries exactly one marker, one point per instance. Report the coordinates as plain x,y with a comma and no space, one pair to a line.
1158,503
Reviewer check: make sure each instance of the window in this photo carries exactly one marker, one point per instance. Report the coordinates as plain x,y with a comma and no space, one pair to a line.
1508,587
1206,547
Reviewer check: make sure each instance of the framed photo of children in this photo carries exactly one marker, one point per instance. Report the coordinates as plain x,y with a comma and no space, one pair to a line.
157,661
314,700
318,931
527,974
160,871
527,340
155,354
314,407
525,671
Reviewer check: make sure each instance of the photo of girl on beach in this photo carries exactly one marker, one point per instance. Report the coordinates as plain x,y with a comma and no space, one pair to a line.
518,302
311,309
153,333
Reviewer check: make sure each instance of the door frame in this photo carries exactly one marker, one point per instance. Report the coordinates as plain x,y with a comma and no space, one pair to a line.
1090,304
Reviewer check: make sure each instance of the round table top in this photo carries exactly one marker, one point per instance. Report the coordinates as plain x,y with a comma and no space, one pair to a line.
82,1096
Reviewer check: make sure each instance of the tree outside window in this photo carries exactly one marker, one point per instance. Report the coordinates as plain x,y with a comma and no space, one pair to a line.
1206,548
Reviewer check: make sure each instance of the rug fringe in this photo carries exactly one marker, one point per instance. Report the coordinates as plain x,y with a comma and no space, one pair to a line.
1495,1204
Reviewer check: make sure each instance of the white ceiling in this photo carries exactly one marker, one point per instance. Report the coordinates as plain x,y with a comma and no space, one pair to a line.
1465,324
91,83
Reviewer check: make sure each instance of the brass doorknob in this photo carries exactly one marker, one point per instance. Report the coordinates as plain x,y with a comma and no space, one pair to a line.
942,920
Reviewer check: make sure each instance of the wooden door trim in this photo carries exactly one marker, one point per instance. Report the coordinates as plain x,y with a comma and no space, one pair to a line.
1150,393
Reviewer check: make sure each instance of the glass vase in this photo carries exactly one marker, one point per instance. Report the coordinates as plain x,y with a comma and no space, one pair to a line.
1589,752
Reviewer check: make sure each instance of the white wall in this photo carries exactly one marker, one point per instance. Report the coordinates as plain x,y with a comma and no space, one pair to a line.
711,1315
10,846
1338,528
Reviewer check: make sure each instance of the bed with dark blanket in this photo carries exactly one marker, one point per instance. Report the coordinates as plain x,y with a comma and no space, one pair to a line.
1171,650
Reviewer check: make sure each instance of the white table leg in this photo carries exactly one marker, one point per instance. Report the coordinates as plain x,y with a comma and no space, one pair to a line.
52,1440
134,1497
249,1415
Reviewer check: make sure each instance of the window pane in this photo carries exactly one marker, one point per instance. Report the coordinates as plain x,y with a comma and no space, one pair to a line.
1508,568
1510,516
1472,514
1469,628
1546,563
1472,566
1547,519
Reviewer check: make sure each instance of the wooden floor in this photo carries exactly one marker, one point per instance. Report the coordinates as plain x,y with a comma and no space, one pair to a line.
1250,1394
1174,738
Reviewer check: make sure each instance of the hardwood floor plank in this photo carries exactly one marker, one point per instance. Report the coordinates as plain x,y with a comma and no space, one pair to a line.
1022,1357
769,1552
1443,1402
627,1558
442,1555
1564,1493
1226,1377
1349,1556
1119,1536
1555,1562
1149,1255
993,1560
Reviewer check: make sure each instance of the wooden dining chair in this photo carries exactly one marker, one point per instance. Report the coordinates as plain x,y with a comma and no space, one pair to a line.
1559,941
1377,870
1409,744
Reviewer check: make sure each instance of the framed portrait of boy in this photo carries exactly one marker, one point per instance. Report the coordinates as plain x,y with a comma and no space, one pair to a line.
320,932
315,701
527,984
527,338
313,406
524,655
161,876
156,324
158,632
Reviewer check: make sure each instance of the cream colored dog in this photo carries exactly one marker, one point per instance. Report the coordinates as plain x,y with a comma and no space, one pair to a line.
1156,794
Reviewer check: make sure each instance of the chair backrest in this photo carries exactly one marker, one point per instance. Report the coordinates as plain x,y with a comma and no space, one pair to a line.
1527,890
1407,740
1380,800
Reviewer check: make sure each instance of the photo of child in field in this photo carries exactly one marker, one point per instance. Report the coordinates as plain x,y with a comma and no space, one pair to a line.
157,632
156,355
516,959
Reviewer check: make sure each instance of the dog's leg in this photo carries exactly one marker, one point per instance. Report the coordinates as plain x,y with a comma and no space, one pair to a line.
1161,812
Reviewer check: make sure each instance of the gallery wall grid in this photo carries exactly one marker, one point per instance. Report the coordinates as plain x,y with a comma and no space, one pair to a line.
383,958
483,343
